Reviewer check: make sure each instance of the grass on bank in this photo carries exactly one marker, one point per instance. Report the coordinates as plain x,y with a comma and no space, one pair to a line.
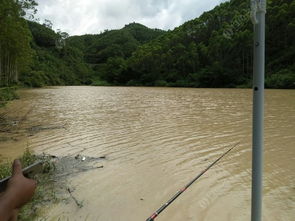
45,192
7,94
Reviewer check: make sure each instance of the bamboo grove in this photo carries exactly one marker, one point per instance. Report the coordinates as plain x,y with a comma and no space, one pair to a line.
15,37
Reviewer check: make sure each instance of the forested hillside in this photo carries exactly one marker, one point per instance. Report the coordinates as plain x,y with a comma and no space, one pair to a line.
34,55
63,60
53,65
214,50
108,52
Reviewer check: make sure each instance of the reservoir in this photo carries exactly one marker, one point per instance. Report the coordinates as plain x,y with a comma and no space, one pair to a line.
155,140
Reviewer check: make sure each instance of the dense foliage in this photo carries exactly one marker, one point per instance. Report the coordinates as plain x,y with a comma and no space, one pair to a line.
55,63
214,50
107,52
7,94
63,60
15,37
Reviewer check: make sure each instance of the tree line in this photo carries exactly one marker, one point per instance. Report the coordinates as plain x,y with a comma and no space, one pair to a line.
214,50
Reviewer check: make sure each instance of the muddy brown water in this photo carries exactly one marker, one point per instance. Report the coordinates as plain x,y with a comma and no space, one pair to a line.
155,140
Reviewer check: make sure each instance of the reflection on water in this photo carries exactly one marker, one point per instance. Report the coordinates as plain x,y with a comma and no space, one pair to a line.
155,141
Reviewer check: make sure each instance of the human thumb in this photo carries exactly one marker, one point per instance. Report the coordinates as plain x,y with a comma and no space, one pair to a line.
16,167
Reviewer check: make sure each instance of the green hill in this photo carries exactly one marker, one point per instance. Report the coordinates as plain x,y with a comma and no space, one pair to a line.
214,50
81,59
52,65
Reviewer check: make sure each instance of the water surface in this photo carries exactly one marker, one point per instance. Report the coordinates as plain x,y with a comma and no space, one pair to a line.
156,140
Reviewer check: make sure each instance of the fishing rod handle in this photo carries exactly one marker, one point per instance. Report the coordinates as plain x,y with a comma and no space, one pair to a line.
152,217
29,171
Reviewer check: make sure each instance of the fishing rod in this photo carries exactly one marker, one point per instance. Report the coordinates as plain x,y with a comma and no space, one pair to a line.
28,171
155,214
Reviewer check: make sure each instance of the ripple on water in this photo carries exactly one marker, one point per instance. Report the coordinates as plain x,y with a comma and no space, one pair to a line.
156,140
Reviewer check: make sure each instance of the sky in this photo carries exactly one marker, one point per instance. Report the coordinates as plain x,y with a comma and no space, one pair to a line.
78,17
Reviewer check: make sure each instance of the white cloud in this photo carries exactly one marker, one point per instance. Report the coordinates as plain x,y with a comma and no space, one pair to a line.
92,16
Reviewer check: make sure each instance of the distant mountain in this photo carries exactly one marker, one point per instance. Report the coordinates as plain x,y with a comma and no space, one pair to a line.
113,43
214,50
80,59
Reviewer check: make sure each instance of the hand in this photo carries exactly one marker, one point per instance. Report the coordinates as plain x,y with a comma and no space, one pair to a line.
20,188
19,191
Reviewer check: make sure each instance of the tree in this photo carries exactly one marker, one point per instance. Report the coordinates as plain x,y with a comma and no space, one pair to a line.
48,24
60,42
15,51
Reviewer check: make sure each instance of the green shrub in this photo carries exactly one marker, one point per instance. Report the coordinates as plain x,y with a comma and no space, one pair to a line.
27,159
98,82
133,83
35,79
7,94
161,83
282,79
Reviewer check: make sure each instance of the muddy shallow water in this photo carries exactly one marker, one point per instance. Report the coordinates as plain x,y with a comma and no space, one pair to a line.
154,141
